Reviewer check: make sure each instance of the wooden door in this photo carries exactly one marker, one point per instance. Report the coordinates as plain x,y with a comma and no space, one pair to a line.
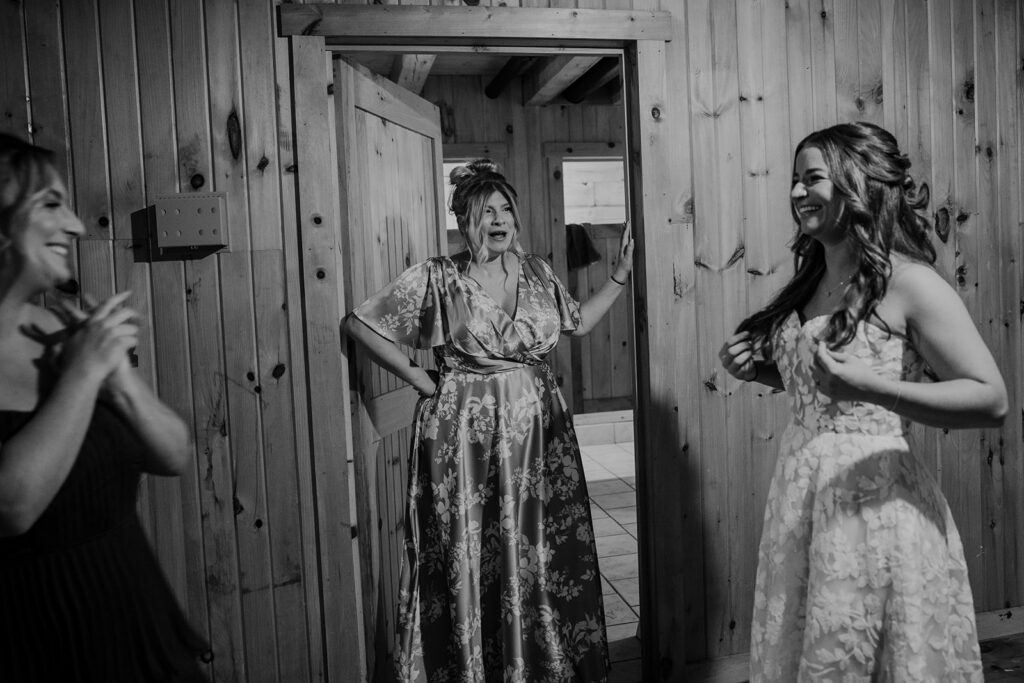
390,166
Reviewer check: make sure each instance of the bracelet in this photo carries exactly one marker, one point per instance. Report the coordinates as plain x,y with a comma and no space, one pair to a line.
892,408
612,278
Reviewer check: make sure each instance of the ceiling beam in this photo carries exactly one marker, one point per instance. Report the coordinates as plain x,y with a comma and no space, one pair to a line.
394,22
411,71
598,75
512,69
553,75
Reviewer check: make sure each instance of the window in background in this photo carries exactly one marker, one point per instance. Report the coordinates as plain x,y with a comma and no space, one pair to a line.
594,191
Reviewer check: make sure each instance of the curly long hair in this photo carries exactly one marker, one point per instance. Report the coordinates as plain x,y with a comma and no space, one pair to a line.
473,185
880,216
25,170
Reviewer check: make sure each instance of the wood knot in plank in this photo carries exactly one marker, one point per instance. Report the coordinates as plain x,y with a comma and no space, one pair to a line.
234,132
736,256
967,91
263,163
877,93
678,284
961,276
942,224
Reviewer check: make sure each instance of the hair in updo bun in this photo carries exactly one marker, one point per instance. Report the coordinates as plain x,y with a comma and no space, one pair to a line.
472,185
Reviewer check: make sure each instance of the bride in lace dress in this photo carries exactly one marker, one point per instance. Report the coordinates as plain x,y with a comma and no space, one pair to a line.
861,573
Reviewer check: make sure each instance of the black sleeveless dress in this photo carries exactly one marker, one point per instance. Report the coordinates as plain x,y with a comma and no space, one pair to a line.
81,595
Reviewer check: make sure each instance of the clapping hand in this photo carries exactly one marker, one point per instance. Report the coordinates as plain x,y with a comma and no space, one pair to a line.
100,338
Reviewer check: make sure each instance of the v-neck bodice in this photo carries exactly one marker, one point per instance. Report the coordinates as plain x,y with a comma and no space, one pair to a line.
436,304
463,268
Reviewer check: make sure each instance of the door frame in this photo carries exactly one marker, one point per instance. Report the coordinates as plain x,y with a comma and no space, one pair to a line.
664,307
555,154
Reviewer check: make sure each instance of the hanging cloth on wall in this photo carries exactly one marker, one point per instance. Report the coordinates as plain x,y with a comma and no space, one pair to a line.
579,249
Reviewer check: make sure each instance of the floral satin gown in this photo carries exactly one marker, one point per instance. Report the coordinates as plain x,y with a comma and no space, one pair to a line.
499,581
861,573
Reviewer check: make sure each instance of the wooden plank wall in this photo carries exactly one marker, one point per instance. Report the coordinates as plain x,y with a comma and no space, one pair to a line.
158,97
946,77
141,98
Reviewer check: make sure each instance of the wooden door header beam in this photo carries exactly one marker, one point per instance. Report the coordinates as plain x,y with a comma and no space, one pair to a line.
373,23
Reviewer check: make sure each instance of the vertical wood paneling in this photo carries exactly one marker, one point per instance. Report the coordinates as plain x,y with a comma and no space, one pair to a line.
1009,22
184,560
324,285
706,219
274,362
870,58
203,308
281,521
825,104
136,98
801,72
297,411
127,188
847,39
45,57
247,476
964,490
13,89
986,309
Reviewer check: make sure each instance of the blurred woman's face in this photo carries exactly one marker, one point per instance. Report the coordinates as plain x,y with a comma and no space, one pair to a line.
497,224
41,243
814,199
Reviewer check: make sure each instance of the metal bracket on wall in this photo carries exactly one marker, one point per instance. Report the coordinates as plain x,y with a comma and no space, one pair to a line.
195,221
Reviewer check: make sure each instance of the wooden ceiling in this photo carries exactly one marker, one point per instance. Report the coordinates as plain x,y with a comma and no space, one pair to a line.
546,79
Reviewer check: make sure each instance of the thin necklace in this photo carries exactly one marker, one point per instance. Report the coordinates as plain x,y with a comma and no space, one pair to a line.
829,290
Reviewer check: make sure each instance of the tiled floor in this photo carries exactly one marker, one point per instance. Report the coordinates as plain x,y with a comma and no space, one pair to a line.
612,485
610,474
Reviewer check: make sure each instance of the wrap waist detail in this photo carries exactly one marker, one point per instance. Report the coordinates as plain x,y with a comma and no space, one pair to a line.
490,366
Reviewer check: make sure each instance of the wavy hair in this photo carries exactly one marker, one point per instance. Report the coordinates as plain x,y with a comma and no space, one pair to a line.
25,170
473,185
880,216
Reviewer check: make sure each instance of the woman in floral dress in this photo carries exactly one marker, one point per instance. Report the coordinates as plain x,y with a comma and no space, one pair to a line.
500,580
861,573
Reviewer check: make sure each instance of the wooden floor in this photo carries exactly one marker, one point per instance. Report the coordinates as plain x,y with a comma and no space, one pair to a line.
611,481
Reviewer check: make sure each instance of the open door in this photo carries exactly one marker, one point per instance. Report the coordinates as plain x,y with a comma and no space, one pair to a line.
390,167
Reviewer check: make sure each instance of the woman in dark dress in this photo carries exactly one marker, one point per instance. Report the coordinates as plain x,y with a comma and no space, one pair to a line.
81,595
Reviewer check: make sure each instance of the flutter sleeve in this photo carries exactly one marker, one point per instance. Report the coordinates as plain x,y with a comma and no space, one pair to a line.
409,310
568,307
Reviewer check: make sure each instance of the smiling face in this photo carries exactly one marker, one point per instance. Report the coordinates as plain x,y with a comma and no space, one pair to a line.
815,202
497,224
41,238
